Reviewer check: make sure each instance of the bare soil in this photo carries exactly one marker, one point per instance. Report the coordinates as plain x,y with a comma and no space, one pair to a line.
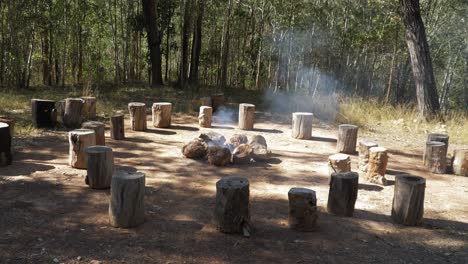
49,215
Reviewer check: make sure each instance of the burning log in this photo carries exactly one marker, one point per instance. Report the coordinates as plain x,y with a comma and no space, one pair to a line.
137,116
242,154
232,213
41,111
5,145
89,108
302,125
302,209
460,162
117,128
72,117
213,138
364,147
436,157
246,116
79,140
378,159
339,163
218,155
343,193
100,167
347,137
205,116
162,115
408,200
195,149
99,129
126,206
260,148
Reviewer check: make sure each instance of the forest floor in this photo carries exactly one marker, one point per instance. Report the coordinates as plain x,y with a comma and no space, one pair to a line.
49,215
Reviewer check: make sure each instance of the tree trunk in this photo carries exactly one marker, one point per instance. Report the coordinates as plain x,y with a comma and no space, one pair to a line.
154,41
303,212
5,145
347,137
364,147
72,116
460,162
246,116
99,129
185,35
378,159
225,45
338,163
137,116
196,44
302,125
100,167
117,128
162,115
205,116
343,193
89,108
408,200
439,138
436,157
79,140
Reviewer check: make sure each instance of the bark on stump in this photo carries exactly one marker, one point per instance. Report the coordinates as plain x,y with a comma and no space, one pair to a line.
126,207
99,129
347,137
378,159
302,125
217,100
460,162
89,108
195,149
440,138
343,193
11,123
364,147
6,156
137,116
339,163
80,140
59,111
41,111
408,200
205,101
232,205
162,115
72,117
436,157
302,209
100,167
205,116
117,127
246,116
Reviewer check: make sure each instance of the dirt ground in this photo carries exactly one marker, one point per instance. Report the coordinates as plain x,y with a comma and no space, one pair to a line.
49,215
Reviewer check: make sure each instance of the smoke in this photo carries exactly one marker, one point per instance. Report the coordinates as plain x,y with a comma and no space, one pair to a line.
225,115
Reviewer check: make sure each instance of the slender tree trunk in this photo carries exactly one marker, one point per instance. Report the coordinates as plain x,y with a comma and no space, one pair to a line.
154,41
225,45
185,35
196,44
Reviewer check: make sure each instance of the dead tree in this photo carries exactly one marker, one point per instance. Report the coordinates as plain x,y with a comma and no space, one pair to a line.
79,140
117,128
339,163
408,200
343,193
99,129
378,160
246,116
126,207
347,137
205,116
232,213
302,125
460,162
41,111
364,147
137,116
100,167
89,108
5,145
436,157
72,117
302,209
162,115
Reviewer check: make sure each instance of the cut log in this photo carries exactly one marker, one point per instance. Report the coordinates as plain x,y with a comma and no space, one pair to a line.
205,116
343,193
41,111
460,162
408,200
89,108
246,116
99,129
195,149
162,115
59,111
232,213
72,117
436,157
242,154
137,116
302,209
79,140
259,148
364,147
6,156
217,100
347,137
339,163
378,159
11,123
126,206
238,139
205,101
100,167
302,125
438,138
117,128
218,155
213,138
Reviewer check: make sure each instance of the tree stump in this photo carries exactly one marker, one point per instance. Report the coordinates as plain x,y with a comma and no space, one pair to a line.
339,163
117,127
126,206
99,129
343,193
41,111
100,167
205,101
302,125
436,157
440,138
195,149
72,117
302,209
242,154
162,115
205,116
11,123
347,137
246,116
364,147
259,148
378,159
59,111
5,145
137,116
218,155
460,162
89,108
217,100
408,200
232,205
79,140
